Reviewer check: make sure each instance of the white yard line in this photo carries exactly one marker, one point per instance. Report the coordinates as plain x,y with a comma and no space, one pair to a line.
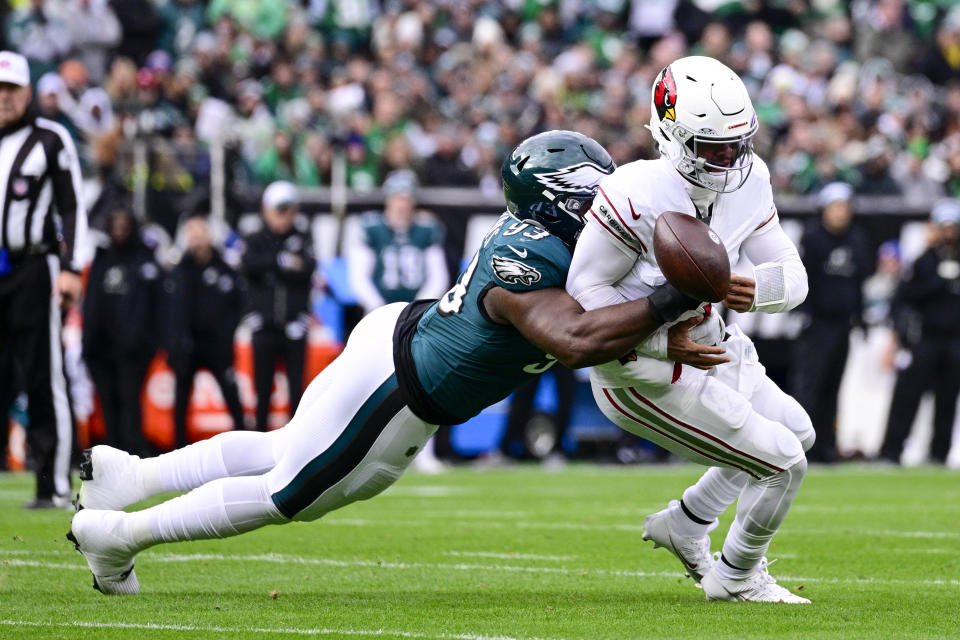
490,524
926,583
378,564
150,626
484,514
576,526
892,533
13,562
287,559
870,508
507,556
427,491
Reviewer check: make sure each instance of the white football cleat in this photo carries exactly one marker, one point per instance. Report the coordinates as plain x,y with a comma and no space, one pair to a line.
99,536
111,479
694,553
759,587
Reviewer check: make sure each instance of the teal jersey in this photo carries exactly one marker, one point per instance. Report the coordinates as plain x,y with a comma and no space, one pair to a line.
400,269
464,361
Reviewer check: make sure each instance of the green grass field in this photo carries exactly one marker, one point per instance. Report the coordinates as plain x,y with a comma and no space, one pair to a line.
509,554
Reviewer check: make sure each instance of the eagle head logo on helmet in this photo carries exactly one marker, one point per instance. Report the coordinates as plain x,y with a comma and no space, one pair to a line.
582,177
665,95
552,177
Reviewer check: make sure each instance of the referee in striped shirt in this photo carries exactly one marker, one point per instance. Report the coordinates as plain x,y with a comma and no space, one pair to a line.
42,223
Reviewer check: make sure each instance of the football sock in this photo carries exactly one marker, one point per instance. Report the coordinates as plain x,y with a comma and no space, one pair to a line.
686,523
689,514
218,509
229,454
762,506
711,495
729,564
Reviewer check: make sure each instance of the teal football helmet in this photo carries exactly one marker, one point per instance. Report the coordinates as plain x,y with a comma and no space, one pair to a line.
552,178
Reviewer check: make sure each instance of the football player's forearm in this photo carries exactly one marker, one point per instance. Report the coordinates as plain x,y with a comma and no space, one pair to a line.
604,334
782,287
773,247
557,324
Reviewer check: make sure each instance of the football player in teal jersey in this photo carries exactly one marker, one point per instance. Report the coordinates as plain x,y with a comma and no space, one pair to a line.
396,255
406,369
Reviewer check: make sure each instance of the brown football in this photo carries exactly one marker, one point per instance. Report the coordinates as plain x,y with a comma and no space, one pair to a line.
691,256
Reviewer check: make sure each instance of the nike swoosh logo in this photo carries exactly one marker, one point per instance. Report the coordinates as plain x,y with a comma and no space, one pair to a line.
636,216
522,254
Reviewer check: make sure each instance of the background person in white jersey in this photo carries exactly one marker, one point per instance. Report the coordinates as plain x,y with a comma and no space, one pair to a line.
731,417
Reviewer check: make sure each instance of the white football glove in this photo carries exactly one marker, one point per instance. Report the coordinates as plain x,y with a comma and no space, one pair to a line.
708,333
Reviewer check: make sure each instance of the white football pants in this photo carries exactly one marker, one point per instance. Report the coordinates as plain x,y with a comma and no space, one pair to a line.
351,438
736,420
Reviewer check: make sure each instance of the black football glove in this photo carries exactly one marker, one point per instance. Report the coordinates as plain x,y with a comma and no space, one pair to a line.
667,303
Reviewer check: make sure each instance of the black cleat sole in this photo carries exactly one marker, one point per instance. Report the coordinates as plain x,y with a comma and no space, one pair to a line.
86,464
72,538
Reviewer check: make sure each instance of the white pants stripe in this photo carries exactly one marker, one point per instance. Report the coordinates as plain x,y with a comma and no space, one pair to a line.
61,406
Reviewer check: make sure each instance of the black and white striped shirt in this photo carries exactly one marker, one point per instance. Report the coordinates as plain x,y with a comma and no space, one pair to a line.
41,210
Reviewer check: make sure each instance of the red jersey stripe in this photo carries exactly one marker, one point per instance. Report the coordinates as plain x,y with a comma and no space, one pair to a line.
615,234
624,222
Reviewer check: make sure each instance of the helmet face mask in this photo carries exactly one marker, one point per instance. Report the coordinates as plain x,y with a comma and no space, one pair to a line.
552,178
718,164
702,120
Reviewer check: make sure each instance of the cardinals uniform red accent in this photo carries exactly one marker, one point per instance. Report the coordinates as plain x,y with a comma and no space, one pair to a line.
665,95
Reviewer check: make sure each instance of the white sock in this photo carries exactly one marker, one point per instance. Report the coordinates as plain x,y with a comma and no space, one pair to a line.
682,524
218,509
228,454
762,506
713,493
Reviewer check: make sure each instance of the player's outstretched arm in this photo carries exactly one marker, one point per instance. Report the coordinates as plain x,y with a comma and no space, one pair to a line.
556,323
780,279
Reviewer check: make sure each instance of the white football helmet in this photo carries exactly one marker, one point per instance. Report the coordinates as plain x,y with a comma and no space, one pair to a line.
703,121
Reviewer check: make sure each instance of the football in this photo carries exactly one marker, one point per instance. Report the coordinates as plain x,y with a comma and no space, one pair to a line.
691,256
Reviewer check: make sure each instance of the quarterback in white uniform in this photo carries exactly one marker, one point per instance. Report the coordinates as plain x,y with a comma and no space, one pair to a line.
730,416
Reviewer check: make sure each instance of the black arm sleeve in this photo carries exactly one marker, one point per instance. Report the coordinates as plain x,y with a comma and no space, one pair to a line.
65,174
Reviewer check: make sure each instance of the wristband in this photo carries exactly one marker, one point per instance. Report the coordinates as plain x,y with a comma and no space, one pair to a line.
667,303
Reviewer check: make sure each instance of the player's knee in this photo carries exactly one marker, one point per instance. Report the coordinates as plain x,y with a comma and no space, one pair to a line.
790,477
798,421
796,472
789,446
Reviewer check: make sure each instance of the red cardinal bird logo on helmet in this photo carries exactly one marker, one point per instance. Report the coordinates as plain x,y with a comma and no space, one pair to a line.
665,95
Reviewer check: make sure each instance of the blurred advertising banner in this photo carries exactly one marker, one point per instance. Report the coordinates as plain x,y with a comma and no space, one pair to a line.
207,414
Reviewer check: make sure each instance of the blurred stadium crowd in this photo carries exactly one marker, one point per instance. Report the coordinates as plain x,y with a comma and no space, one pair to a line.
865,92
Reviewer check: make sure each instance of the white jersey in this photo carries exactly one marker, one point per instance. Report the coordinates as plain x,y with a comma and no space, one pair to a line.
633,197
614,260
